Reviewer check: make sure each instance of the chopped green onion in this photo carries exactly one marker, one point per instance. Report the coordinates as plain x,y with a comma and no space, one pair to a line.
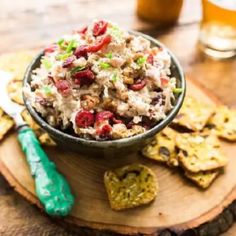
114,77
177,90
72,45
104,65
47,90
76,69
63,56
115,32
141,61
109,55
172,80
47,64
60,42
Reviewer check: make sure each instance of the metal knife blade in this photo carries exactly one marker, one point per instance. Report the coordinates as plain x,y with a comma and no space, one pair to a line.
11,108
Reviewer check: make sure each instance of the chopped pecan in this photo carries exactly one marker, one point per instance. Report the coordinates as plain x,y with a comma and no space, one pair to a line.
130,72
127,71
109,104
128,80
88,102
123,95
129,38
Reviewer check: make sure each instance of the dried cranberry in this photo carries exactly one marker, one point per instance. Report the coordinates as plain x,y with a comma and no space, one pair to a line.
164,81
81,51
116,121
158,89
156,100
63,87
150,59
50,49
42,101
104,115
147,122
67,63
84,77
99,28
127,121
138,85
104,131
84,119
130,124
94,48
83,30
50,78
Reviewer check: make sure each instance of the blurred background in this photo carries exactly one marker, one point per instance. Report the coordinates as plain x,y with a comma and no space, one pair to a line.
35,22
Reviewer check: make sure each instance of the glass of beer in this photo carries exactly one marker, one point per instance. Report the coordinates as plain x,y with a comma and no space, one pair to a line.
218,28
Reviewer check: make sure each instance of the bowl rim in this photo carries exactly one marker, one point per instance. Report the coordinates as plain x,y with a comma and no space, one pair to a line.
110,143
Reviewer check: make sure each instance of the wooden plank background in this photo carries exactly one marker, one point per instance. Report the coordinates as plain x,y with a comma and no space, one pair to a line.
31,24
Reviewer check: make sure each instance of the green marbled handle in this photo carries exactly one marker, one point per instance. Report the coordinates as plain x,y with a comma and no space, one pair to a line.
52,188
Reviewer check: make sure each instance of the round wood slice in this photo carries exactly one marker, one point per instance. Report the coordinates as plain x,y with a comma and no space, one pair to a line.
180,205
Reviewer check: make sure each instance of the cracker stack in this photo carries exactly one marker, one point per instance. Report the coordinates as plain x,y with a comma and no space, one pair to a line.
192,143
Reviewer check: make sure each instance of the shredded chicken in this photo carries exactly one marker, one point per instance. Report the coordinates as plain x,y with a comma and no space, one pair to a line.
104,68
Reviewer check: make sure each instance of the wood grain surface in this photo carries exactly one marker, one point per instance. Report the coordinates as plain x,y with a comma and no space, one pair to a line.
31,24
92,209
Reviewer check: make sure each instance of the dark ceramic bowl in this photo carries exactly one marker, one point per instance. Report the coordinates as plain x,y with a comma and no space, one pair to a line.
118,147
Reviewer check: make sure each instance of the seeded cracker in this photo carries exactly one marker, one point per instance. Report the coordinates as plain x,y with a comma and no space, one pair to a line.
29,120
130,186
171,134
6,123
203,179
16,63
43,137
224,122
200,153
193,115
162,148
14,89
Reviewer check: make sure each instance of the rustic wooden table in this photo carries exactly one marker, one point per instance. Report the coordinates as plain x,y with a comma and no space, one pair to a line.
30,24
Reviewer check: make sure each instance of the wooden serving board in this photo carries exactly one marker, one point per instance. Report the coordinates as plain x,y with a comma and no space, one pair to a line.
179,205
